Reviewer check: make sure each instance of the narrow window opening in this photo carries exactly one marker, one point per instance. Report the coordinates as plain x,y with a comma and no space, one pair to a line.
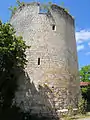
53,27
38,61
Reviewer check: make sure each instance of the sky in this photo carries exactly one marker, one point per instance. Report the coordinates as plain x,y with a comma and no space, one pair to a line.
77,8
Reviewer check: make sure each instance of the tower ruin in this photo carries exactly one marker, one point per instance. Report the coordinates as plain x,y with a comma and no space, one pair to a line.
50,82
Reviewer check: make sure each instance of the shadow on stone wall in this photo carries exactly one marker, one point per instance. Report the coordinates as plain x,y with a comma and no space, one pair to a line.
31,103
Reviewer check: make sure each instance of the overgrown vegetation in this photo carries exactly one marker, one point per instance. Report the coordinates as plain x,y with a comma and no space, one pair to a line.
12,57
13,9
86,96
85,90
82,106
85,73
45,7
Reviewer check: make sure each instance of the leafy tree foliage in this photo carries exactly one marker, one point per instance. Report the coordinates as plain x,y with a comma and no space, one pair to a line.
86,96
85,74
12,57
85,77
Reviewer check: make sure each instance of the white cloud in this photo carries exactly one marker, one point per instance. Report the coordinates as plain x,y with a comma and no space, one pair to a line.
80,47
82,36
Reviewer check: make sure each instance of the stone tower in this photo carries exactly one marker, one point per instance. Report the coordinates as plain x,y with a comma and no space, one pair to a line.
50,81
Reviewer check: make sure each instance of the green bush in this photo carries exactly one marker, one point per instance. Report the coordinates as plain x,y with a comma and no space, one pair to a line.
82,105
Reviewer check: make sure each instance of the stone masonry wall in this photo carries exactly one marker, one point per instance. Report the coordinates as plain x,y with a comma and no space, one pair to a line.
53,85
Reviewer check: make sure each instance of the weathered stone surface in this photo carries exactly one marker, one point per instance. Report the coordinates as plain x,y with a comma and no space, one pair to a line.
53,85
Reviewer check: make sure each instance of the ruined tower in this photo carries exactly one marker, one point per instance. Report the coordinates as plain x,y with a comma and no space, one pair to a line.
50,82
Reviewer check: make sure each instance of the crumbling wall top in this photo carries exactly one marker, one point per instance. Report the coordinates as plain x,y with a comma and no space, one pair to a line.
62,10
54,8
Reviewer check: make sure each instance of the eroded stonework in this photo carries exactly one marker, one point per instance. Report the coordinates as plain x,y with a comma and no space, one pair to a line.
52,84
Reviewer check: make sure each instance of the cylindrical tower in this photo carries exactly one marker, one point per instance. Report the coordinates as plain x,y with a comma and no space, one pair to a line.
52,67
